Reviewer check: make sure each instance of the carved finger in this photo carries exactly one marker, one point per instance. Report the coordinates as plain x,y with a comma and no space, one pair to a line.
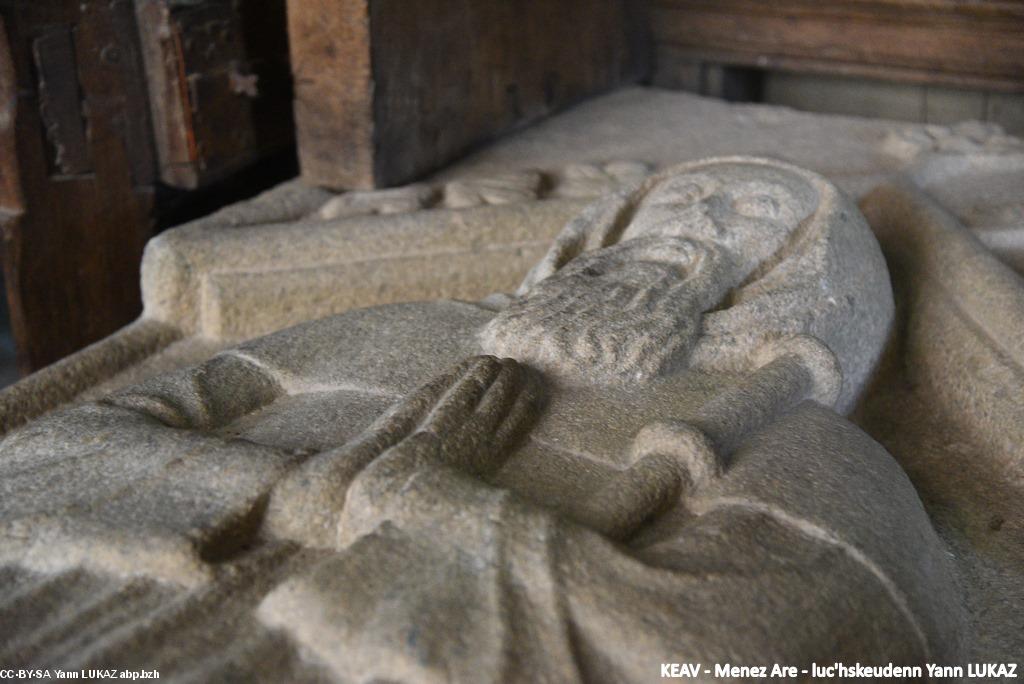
398,463
468,447
405,417
458,404
510,403
499,396
521,416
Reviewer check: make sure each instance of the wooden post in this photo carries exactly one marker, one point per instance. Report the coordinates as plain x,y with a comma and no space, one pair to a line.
77,176
388,90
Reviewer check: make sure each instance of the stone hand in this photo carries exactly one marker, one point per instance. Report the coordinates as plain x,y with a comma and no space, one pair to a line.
466,419
476,412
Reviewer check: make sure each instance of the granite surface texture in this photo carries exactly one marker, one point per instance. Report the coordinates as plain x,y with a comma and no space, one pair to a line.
662,379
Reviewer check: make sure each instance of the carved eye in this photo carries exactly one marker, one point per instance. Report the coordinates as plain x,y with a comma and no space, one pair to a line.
681,193
757,206
690,192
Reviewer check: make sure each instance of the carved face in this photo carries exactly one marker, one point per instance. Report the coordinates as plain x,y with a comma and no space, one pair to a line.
747,209
624,312
633,310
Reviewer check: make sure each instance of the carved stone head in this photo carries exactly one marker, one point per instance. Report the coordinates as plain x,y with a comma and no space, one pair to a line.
700,266
750,210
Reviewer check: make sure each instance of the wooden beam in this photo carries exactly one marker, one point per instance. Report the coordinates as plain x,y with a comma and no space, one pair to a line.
942,42
388,90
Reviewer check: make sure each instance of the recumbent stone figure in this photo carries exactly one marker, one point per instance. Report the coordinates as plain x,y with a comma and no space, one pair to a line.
640,457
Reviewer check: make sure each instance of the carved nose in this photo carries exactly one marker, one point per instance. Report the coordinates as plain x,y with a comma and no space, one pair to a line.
696,215
715,204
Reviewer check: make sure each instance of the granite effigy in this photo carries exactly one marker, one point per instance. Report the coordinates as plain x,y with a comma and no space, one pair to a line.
643,441
297,252
657,445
